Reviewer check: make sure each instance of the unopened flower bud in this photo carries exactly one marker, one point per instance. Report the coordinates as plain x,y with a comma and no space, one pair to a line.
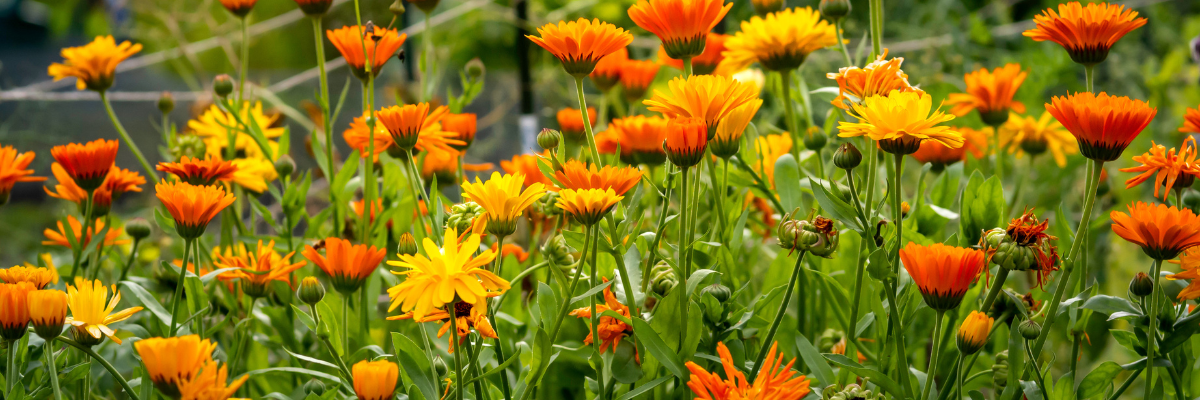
662,279
815,139
558,252
847,156
475,68
834,9
285,165
222,85
1000,370
166,102
1030,329
397,8
548,139
463,215
719,291
189,145
547,205
439,366
904,209
138,228
407,245
1141,285
314,386
310,291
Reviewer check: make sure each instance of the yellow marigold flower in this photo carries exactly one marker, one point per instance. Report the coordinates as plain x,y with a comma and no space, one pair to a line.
215,125
1087,33
1171,169
444,275
876,79
1035,136
468,317
256,270
1191,121
611,330
706,97
253,173
704,64
405,123
990,93
636,77
1123,119
575,175
209,383
1189,261
14,167
503,199
780,41
47,312
900,121
727,141
775,381
380,46
93,64
587,206
580,44
682,25
347,265
1162,231
192,207
88,164
974,331
639,137
37,276
375,380
172,361
14,309
769,148
942,273
59,237
200,172
92,311
240,8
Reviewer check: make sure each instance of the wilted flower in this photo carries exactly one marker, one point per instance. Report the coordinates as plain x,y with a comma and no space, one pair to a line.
1023,246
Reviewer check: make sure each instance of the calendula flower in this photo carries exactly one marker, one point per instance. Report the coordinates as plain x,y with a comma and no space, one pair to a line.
375,380
709,98
587,206
192,207
314,7
47,312
253,173
1162,231
1086,32
39,277
570,121
14,167
526,165
580,44
611,330
686,140
452,273
406,122
442,164
200,172
727,141
209,383
117,182
504,200
779,41
1023,246
775,381
682,25
92,311
88,164
640,138
358,137
840,348
1171,169
239,8
1103,125
379,45
575,175
973,333
14,309
469,317
608,70
990,93
1191,121
900,121
59,237
769,148
938,154
705,63
876,79
976,140
215,125
174,360
462,126
256,270
636,77
512,250
347,265
1189,261
93,64
1034,136
942,273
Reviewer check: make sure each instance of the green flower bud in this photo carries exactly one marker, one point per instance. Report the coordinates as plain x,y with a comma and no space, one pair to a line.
1030,329
314,386
719,291
828,339
557,251
439,365
547,205
1000,370
1141,285
815,139
222,85
189,145
549,139
662,278
166,102
138,228
475,68
463,215
852,391
285,165
397,8
407,244
310,291
847,156
834,9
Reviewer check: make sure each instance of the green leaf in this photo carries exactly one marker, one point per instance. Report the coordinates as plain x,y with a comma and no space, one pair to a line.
548,304
787,182
147,301
646,388
982,207
646,334
1110,305
590,292
415,364
878,378
697,277
311,359
878,266
838,210
814,361
1099,380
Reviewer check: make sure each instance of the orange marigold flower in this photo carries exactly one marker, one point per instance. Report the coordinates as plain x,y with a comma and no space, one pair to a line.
192,207
775,381
1171,169
1189,261
347,265
1086,32
375,380
59,237
1191,121
209,383
705,63
258,269
47,312
93,64
405,123
570,121
14,309
1037,135
709,98
463,127
381,45
88,164
608,70
39,277
575,175
66,189
200,172
587,206
976,140
358,137
779,41
939,155
990,93
14,167
682,25
973,333
512,250
640,138
239,8
686,140
840,348
1103,125
527,165
174,360
314,8
1162,231
942,273
468,317
876,79
580,44
611,330
441,165
636,77
769,148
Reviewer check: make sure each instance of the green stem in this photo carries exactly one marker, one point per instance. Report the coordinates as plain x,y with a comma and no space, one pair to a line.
718,196
591,231
427,39
1089,75
842,43
346,325
898,335
179,283
930,371
997,287
129,262
684,239
150,173
111,370
789,113
958,377
1040,380
474,361
787,295
1125,385
998,152
82,235
327,119
369,182
418,188
595,319
587,123
52,369
245,60
1152,335
11,376
662,222
876,7
492,316
687,67
454,346
329,346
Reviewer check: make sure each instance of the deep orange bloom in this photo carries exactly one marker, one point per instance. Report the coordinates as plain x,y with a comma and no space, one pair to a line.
774,382
973,333
1087,33
580,44
703,64
200,172
708,97
258,269
405,123
209,383
682,25
14,167
174,360
611,330
938,154
358,137
1191,121
991,93
1189,261
943,273
640,138
239,7
88,164
1162,231
381,45
575,175
93,64
14,309
375,380
636,77
347,265
59,237
512,250
1103,125
192,207
608,70
876,79
527,165
686,140
1171,170
570,121
463,127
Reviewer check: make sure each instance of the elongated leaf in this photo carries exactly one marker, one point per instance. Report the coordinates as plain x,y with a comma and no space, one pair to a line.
643,389
697,277
1110,305
813,359
1099,380
787,182
147,301
876,377
590,292
659,349
311,359
837,209
415,363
